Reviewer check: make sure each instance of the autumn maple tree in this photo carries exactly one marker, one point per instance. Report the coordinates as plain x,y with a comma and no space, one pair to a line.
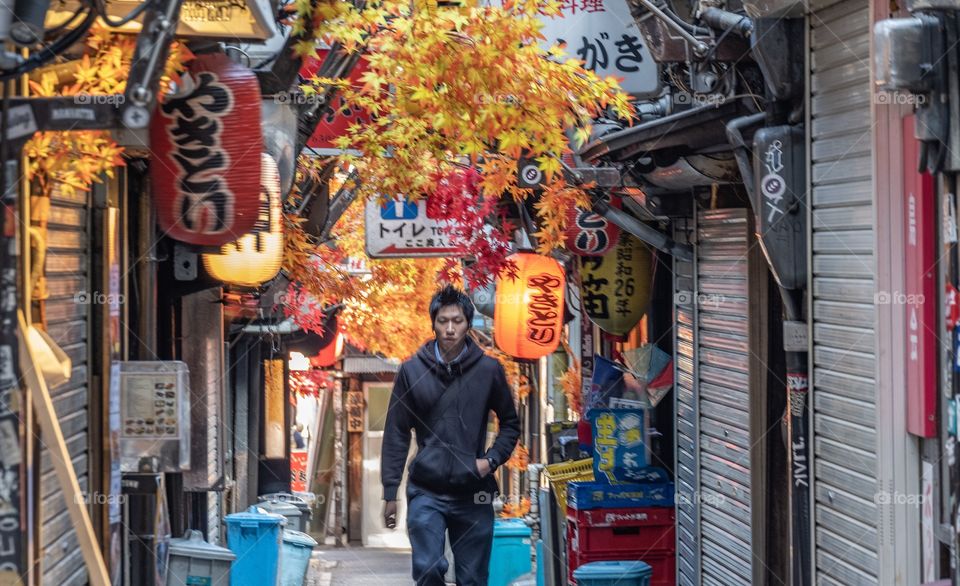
456,96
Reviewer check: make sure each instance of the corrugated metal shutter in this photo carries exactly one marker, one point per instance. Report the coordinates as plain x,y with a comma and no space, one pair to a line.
844,401
723,369
688,421
67,323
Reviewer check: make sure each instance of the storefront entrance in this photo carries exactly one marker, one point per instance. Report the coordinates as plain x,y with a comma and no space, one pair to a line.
376,397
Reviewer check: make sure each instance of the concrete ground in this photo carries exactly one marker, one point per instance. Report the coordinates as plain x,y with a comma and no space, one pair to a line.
359,566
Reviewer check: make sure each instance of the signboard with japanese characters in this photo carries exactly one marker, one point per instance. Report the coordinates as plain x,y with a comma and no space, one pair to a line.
605,36
338,118
354,411
618,442
402,229
920,291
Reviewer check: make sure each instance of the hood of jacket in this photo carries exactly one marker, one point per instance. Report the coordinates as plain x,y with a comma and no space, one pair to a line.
446,372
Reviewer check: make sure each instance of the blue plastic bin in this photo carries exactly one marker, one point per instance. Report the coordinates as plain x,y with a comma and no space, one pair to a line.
510,557
254,536
613,574
295,557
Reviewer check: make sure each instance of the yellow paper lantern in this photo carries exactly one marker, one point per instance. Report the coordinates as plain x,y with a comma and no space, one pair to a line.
256,257
528,317
615,288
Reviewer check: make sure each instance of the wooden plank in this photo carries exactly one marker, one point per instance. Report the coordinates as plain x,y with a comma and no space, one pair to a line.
355,479
50,428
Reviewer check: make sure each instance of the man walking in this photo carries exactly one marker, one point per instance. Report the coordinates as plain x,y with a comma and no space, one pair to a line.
446,392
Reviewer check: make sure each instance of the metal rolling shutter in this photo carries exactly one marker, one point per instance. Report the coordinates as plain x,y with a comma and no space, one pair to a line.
844,402
67,323
688,423
723,369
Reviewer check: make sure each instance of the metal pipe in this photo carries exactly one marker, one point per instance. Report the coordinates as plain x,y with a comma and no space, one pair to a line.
651,236
699,47
728,21
742,152
533,517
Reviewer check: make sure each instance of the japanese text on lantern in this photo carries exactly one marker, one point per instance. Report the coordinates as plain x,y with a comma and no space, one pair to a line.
625,286
591,236
606,443
203,201
544,309
595,300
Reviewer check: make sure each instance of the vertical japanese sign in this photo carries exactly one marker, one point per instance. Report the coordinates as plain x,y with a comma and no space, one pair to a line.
12,540
355,412
338,118
605,36
586,356
920,297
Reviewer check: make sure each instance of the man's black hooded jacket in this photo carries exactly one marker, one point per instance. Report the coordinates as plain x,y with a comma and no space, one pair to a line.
446,456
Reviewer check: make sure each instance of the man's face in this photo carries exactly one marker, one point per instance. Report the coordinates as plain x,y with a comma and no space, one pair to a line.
450,327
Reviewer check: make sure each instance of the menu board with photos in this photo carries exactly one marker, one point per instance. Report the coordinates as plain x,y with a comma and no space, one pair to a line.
151,406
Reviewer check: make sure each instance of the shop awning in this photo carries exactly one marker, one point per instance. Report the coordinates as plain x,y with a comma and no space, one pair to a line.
693,129
368,365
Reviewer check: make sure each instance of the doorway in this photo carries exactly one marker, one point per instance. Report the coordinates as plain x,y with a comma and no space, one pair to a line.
373,533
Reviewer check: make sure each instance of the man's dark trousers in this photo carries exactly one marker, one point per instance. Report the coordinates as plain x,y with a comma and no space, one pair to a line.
470,524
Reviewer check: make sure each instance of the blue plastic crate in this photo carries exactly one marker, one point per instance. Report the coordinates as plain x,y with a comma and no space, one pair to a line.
598,495
613,573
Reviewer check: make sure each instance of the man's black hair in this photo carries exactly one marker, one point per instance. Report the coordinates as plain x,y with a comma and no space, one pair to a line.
450,295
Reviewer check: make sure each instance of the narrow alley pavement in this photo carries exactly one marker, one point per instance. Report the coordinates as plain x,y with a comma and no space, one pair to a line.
359,566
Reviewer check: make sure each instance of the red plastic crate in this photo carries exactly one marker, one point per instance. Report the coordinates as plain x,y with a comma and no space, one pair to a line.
628,531
647,534
663,564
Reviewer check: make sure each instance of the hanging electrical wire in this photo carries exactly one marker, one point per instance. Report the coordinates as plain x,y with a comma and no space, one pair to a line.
52,51
65,24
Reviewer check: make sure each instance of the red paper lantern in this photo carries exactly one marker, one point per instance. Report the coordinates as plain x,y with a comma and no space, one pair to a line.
590,234
528,317
206,144
330,353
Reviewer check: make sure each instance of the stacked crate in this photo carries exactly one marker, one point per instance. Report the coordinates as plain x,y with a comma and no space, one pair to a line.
604,523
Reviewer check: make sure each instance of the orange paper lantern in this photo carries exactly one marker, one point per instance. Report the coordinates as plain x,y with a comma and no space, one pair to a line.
528,317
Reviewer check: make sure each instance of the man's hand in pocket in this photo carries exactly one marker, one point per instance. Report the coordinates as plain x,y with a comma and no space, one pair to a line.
483,467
